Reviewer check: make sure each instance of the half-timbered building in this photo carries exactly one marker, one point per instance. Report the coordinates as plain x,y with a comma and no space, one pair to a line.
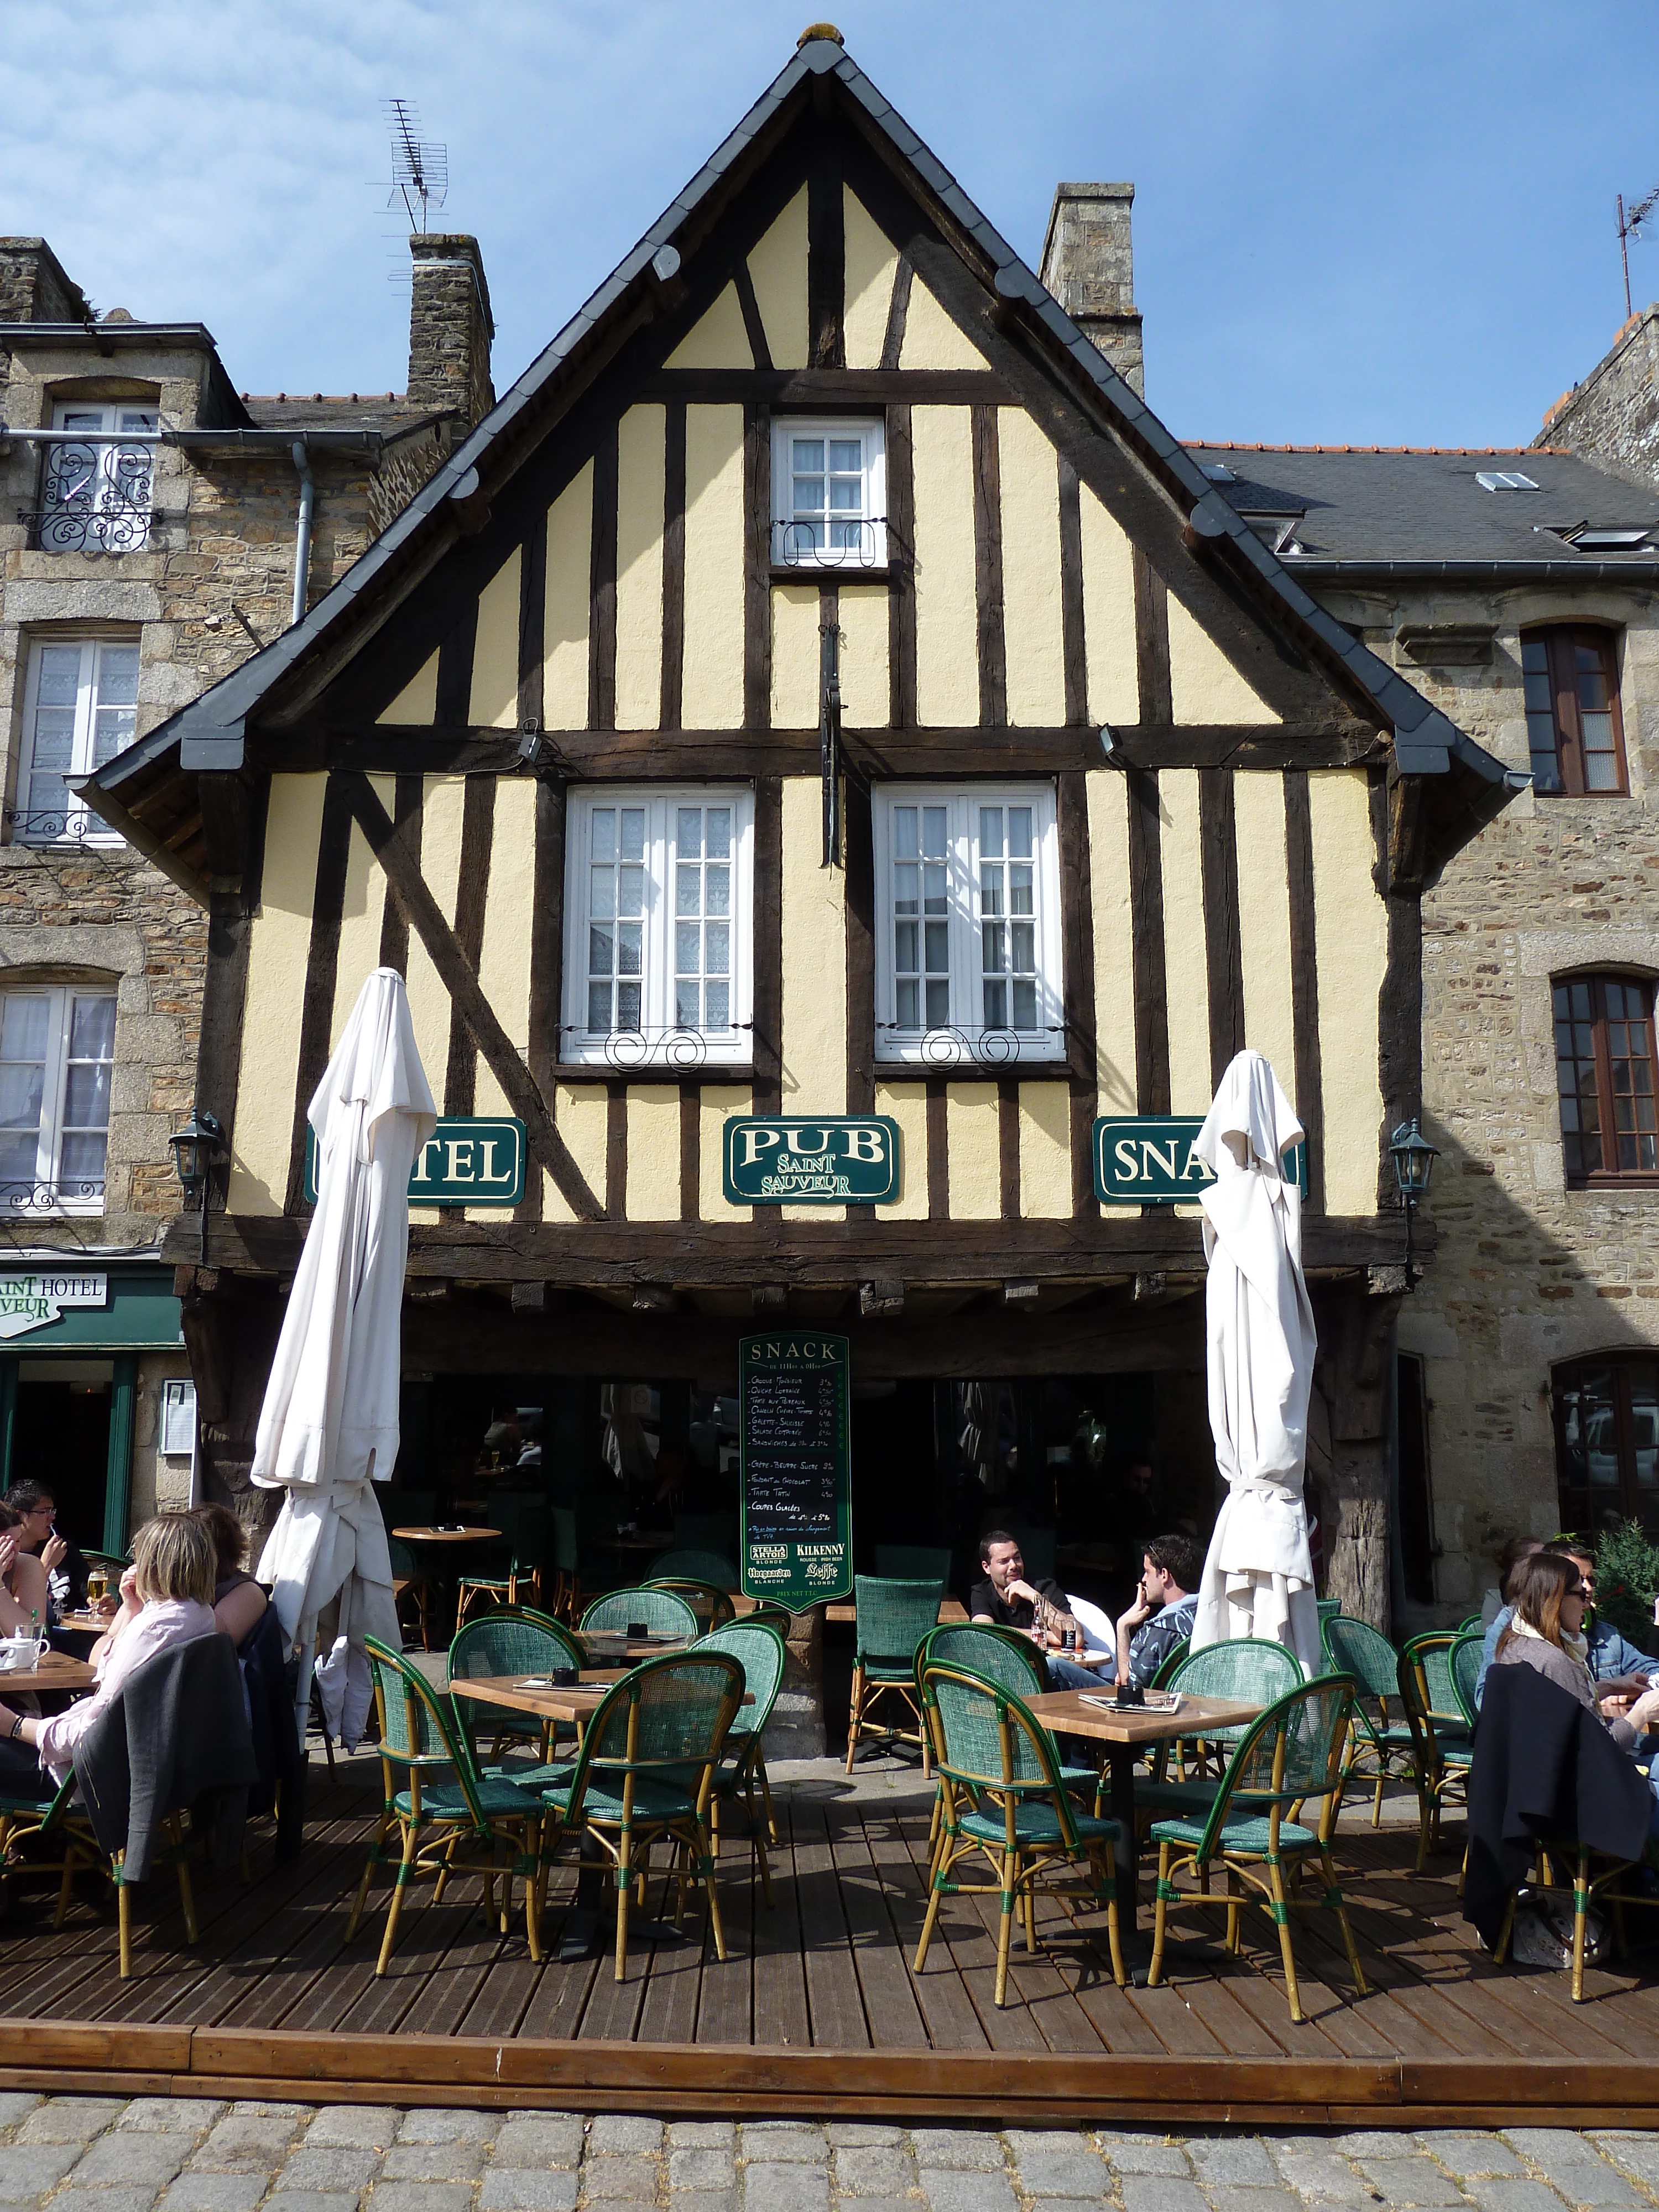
821,688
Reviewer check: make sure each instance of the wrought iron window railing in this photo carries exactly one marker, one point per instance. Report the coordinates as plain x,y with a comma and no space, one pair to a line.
96,497
80,1193
57,825
954,1044
836,542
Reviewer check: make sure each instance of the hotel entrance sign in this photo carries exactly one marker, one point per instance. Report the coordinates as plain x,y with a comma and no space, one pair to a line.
1150,1161
795,1464
474,1160
811,1160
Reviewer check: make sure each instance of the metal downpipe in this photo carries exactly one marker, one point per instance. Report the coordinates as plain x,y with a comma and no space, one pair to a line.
301,460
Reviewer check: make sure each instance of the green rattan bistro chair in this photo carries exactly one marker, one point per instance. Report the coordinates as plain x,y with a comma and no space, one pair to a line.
759,1650
1004,1797
712,1605
510,1643
1381,1740
29,1826
646,1774
443,1792
409,1580
1292,1757
664,1613
515,1569
892,1618
567,1592
913,1562
1442,1744
1169,1662
1246,1667
683,1566
1463,1664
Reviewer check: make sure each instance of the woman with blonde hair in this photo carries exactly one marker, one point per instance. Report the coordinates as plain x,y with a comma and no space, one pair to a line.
167,1598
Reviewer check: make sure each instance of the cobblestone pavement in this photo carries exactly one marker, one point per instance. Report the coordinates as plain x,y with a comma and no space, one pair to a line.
162,2154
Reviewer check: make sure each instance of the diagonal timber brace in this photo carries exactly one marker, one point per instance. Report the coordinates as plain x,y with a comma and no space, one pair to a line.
407,886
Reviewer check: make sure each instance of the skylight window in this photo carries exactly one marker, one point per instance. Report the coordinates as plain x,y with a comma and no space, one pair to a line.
1504,480
1622,540
1218,472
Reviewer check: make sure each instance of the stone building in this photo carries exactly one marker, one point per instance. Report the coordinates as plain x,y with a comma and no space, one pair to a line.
156,528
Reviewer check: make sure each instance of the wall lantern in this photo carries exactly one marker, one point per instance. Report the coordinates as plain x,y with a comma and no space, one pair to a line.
1414,1158
198,1148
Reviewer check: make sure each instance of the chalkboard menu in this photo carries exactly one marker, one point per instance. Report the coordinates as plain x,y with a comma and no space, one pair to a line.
793,1456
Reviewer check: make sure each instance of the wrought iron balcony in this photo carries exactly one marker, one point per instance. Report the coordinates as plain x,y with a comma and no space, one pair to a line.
861,544
57,825
95,498
79,1195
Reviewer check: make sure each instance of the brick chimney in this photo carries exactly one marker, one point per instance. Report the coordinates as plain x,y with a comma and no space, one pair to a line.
1088,263
450,327
33,288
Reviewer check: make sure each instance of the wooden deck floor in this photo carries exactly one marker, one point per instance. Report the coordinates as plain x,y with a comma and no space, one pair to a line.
816,2008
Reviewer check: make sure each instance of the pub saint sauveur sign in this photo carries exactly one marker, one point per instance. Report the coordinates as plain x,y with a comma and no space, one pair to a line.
471,1160
1150,1161
810,1159
795,1460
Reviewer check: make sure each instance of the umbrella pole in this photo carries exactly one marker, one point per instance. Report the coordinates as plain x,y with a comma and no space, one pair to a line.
303,1695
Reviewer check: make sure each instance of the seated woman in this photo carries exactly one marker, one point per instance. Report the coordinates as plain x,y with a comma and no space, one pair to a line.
23,1592
238,1600
167,1598
1546,1632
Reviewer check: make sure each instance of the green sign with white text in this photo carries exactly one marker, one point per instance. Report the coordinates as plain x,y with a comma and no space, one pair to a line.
794,1406
470,1161
780,1159
1151,1162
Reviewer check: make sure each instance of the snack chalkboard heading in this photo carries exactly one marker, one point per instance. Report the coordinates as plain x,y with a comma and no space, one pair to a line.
794,1461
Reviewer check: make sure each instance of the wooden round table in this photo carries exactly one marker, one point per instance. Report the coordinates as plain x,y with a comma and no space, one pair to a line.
463,1535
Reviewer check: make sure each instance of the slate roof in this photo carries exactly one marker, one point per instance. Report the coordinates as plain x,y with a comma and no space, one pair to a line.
1370,505
390,412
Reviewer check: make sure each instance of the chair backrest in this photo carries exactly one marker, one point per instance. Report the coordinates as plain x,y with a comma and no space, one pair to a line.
527,1531
666,1712
1464,1665
1292,1754
991,1741
1425,1683
759,1650
918,1563
1003,1654
1472,1625
1246,1667
893,1617
416,1731
1328,1608
775,1616
511,1643
1354,1647
566,1555
665,1613
710,1567
711,1606
403,1560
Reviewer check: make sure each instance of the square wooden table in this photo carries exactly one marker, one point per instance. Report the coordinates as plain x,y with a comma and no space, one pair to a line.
949,1608
1126,1731
608,1644
57,1671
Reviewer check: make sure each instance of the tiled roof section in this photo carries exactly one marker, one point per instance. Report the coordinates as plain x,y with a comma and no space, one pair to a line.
389,412
1424,503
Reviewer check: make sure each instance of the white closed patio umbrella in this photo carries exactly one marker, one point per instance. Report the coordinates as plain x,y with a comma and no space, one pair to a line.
328,1429
1259,1344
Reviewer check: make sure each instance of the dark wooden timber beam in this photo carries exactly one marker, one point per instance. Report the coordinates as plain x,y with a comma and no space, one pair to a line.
408,888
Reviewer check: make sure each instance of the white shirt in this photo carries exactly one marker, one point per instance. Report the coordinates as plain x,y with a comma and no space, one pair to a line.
161,1622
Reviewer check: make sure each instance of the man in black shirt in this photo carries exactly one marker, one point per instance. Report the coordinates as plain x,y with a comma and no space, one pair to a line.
1039,1609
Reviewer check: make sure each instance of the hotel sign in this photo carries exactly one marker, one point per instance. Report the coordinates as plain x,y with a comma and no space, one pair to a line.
1150,1161
467,1161
35,1301
811,1160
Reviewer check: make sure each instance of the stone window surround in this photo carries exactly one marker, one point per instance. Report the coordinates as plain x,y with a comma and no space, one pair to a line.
90,954
1546,958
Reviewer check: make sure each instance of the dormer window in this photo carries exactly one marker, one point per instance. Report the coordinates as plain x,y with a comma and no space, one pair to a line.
829,493
95,486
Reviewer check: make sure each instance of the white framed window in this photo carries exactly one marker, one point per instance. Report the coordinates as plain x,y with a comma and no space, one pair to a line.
57,1061
95,490
658,928
80,705
829,493
968,958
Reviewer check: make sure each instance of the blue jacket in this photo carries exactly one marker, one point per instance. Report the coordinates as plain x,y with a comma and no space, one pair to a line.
1611,1655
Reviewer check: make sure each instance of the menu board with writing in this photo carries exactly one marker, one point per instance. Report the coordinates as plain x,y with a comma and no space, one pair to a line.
794,1419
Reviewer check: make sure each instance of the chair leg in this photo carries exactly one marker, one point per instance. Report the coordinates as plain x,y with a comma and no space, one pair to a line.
1006,1925
1281,1913
124,1921
1160,1920
394,1911
856,1718
531,1849
766,1796
714,1921
1377,1801
625,1872
376,1844
1235,1912
1333,1896
1106,1877
930,1918
1580,1922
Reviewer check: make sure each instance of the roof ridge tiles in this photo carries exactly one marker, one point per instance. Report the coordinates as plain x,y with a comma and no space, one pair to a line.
1261,446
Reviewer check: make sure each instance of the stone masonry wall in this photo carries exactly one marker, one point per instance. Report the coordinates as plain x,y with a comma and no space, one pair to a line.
1526,1273
1613,416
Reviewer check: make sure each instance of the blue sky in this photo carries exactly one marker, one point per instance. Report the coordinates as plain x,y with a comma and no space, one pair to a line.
1354,222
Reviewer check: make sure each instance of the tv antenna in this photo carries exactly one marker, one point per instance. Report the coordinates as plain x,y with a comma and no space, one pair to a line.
419,166
1630,226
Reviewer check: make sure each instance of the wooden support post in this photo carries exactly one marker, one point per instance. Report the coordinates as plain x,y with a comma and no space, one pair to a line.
1354,1374
796,1728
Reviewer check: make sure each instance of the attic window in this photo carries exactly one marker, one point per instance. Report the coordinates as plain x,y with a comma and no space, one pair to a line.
1217,471
828,494
1620,540
1504,480
1276,531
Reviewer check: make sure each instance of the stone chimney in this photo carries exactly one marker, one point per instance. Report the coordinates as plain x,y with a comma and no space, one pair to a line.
33,288
1088,263
450,327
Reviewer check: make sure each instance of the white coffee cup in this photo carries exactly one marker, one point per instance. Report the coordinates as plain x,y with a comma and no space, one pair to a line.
20,1654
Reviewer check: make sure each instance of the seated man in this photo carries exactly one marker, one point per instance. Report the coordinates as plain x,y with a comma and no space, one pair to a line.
1161,1617
1040,1610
